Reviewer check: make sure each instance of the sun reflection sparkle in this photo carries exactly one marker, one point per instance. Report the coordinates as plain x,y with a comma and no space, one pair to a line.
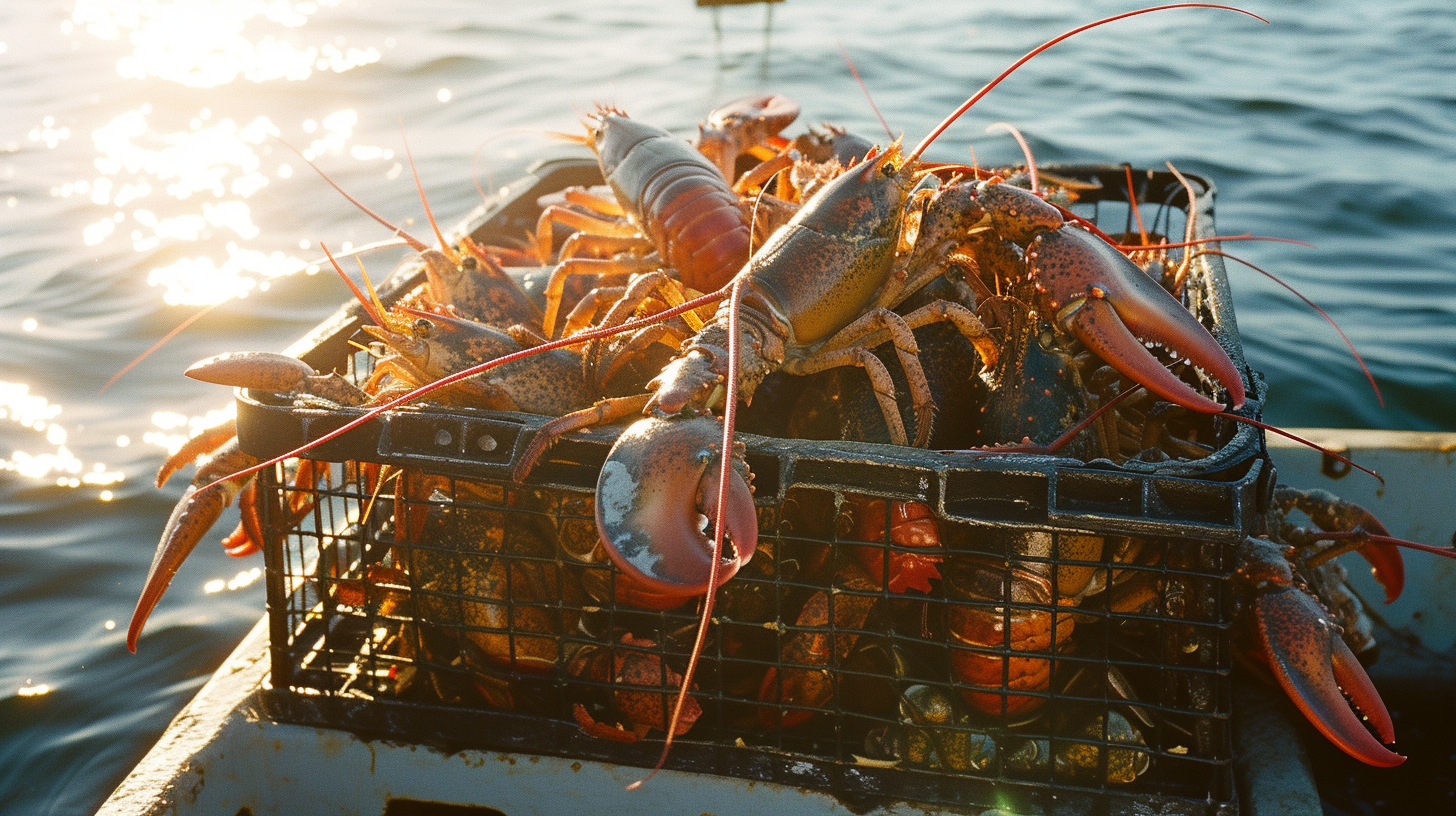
203,43
222,160
216,158
242,580
169,422
60,465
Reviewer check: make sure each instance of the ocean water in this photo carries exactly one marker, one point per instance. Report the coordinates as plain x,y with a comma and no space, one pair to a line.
144,175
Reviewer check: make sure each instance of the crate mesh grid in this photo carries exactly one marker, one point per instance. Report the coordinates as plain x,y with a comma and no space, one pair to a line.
357,635
361,623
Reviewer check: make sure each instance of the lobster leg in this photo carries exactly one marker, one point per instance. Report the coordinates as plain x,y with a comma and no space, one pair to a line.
591,306
590,222
247,538
880,381
556,286
639,290
862,332
205,441
603,412
606,369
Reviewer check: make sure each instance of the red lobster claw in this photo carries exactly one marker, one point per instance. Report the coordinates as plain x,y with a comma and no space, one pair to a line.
193,516
1386,563
1313,664
658,481
1304,650
1112,306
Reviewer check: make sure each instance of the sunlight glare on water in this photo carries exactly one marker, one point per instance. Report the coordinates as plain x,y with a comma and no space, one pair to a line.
144,168
174,429
203,44
59,464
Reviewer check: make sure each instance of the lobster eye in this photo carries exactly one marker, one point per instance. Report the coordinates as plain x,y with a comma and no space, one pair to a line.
422,328
888,169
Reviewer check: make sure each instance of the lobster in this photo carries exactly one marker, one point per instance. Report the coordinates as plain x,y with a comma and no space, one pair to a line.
200,507
675,201
470,284
425,346
1292,634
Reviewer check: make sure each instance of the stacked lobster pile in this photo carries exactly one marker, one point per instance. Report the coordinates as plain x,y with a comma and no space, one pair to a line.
986,319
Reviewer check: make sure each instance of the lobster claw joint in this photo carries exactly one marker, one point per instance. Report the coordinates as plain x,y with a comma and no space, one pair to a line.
1108,303
658,482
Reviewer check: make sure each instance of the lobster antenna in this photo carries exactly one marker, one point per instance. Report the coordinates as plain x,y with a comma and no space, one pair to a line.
1301,440
363,301
1025,150
414,243
1357,539
1312,305
368,284
1247,236
444,246
1189,227
865,88
725,471
976,97
1132,203
201,313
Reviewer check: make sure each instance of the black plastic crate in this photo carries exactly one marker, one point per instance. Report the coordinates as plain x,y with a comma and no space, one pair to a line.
466,610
